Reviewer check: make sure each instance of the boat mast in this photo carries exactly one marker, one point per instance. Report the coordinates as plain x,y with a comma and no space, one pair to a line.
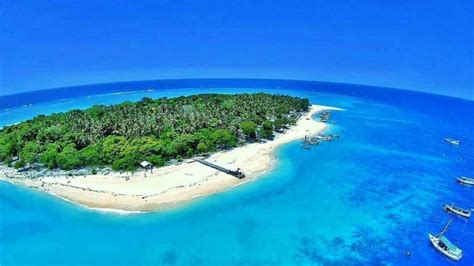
445,229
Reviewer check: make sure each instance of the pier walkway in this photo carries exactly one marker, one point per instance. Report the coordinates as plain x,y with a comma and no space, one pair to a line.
237,173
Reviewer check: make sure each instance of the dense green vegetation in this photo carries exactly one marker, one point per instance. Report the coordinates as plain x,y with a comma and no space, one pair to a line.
158,130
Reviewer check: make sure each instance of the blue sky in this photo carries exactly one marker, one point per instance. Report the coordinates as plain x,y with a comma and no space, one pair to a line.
416,45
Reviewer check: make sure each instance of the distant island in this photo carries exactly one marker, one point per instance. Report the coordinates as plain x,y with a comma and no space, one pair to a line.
153,130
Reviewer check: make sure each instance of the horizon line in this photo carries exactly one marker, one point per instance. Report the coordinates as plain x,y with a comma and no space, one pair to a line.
229,79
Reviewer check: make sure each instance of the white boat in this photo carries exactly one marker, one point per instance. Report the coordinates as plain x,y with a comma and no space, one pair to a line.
443,245
452,141
465,180
305,146
459,211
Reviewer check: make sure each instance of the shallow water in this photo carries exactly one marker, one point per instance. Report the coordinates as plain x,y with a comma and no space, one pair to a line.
367,198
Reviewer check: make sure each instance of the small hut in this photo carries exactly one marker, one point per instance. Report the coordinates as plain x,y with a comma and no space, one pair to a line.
146,165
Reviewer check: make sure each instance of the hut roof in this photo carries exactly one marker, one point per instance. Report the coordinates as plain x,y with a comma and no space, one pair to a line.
145,164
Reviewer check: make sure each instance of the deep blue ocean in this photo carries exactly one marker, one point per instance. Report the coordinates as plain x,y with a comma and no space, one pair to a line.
365,199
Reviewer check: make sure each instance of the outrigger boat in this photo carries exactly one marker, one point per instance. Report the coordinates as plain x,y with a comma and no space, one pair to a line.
443,245
465,180
452,141
322,137
324,116
459,211
305,146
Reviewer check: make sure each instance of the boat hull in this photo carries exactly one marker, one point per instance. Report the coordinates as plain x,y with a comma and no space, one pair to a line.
465,181
455,211
453,141
435,242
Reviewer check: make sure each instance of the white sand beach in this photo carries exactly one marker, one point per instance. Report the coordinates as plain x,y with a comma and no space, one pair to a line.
174,184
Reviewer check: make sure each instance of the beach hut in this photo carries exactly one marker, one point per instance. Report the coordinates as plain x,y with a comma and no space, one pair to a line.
146,165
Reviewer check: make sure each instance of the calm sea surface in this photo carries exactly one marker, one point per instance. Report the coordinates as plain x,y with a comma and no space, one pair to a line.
367,198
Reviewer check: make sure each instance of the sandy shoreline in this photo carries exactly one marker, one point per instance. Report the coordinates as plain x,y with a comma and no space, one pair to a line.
174,184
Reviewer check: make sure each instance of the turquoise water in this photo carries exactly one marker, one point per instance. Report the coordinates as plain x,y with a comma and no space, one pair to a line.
365,199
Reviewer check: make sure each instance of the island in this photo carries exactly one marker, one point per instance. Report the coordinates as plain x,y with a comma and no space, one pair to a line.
143,156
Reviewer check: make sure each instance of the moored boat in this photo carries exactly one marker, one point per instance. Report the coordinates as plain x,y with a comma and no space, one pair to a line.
465,180
459,211
324,116
452,141
443,245
305,146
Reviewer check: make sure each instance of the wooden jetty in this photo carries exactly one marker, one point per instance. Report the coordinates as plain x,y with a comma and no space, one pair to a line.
237,173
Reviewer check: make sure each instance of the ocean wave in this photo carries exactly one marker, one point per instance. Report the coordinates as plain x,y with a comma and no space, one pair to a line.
103,210
115,211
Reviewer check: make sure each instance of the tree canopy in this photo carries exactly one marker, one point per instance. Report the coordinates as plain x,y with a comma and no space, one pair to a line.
156,130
